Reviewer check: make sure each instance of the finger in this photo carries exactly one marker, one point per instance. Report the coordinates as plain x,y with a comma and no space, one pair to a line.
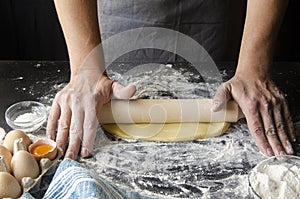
269,126
53,120
89,129
257,131
285,114
256,127
281,128
63,127
222,96
75,132
121,92
289,122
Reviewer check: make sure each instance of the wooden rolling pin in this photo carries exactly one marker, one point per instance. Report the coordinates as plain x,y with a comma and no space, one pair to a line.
166,111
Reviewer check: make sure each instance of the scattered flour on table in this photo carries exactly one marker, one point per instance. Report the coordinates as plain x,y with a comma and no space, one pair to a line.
210,168
276,181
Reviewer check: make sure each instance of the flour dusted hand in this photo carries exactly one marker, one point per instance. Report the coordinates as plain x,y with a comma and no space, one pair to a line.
261,101
75,108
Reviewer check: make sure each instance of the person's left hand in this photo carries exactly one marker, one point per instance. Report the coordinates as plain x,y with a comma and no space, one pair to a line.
265,108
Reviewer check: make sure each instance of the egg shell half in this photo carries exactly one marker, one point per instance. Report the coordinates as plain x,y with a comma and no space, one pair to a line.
43,144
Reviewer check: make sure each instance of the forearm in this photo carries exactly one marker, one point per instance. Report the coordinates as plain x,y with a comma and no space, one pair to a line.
262,23
79,22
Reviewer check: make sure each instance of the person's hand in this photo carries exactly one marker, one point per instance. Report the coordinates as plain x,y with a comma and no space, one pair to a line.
74,110
266,111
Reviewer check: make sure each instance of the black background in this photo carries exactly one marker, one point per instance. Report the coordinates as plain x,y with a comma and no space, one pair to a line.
29,30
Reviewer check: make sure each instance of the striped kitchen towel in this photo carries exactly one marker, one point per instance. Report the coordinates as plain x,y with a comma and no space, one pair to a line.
72,180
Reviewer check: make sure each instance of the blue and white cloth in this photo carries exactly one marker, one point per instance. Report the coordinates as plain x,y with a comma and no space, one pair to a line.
71,180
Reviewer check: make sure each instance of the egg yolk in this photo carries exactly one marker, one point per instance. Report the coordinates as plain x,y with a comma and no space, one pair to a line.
41,149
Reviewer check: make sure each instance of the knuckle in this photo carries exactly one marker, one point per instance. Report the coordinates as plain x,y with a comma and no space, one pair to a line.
271,132
226,84
275,100
63,125
65,98
76,98
258,131
280,127
60,143
51,117
62,97
75,131
58,95
280,95
266,102
223,87
89,125
289,119
256,124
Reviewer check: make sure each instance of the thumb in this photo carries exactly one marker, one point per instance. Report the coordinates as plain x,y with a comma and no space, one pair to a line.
221,98
121,92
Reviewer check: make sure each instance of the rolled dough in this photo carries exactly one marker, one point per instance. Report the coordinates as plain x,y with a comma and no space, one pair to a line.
171,132
167,120
166,111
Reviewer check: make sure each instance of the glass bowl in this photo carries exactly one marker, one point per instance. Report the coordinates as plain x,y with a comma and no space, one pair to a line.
275,177
28,116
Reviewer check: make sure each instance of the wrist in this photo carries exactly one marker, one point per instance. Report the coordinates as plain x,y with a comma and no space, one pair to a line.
255,59
92,61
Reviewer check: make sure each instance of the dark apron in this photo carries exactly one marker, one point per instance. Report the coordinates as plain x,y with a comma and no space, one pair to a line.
203,20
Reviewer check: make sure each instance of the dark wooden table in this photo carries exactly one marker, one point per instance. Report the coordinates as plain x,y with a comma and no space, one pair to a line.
29,80
32,80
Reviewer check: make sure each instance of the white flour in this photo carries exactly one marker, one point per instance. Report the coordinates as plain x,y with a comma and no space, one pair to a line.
211,168
276,181
26,117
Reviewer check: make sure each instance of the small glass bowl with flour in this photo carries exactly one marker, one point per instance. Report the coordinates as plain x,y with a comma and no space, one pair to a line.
276,177
28,116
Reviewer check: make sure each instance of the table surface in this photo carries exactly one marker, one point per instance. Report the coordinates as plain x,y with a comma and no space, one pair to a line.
29,80
129,164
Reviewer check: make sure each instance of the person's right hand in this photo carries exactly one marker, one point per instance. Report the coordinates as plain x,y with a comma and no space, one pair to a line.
75,108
